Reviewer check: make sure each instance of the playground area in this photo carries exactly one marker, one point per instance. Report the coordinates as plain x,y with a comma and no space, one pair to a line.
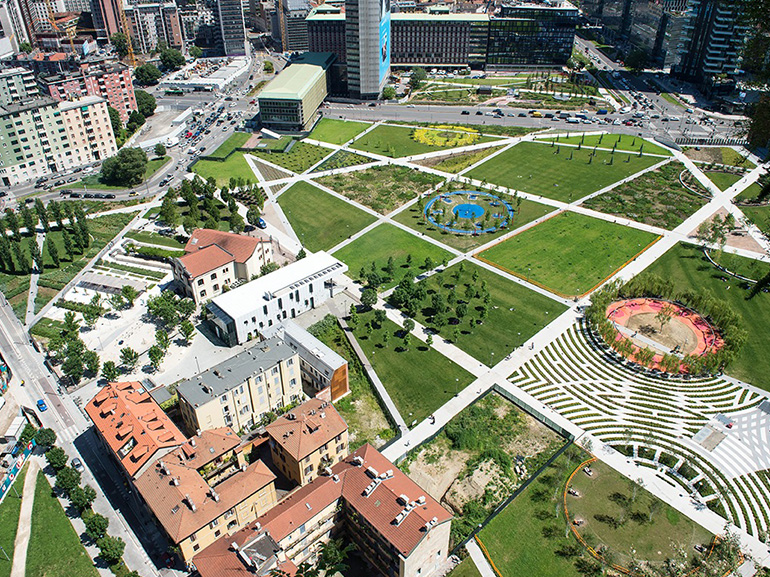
468,212
665,327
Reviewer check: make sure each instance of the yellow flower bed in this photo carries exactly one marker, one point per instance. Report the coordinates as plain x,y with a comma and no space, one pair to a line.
446,135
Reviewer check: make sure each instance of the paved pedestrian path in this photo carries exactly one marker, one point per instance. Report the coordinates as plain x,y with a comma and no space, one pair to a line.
19,566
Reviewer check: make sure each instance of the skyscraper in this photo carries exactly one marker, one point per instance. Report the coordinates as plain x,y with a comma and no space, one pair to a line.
367,45
232,29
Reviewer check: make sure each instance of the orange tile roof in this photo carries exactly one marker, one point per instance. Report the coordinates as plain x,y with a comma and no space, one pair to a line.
201,449
240,246
132,423
205,260
220,559
183,502
306,428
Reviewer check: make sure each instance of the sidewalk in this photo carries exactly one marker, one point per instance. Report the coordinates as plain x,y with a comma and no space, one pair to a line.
19,567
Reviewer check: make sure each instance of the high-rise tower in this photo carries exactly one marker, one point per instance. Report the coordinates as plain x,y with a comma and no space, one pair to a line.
367,45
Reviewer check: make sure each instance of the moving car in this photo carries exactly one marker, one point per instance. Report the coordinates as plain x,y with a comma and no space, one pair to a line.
261,223
41,406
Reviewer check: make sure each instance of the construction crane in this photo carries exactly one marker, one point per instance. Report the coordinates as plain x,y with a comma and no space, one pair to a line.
124,25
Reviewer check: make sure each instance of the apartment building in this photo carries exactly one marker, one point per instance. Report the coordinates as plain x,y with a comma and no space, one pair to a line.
245,312
13,30
231,28
307,440
17,84
112,81
321,367
214,260
154,22
365,499
89,129
242,390
205,489
132,426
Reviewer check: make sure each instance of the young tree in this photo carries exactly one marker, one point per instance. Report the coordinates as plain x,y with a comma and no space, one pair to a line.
407,341
368,298
429,340
129,358
57,458
160,150
53,252
664,315
187,330
301,254
129,294
156,354
111,549
117,301
110,371
96,526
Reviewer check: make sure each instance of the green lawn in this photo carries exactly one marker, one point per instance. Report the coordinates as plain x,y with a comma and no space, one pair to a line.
538,169
454,95
465,569
388,241
336,131
619,141
235,166
685,266
569,253
321,220
459,162
419,380
9,521
760,216
515,313
301,156
236,140
536,517
92,181
656,198
516,80
719,155
153,238
381,188
749,194
396,141
62,556
103,229
526,212
723,180
367,421
14,285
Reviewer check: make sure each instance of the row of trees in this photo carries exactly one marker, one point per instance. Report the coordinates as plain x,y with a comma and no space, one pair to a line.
82,497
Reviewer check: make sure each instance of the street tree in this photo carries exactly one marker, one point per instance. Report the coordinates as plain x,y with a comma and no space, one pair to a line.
187,330
67,479
145,105
120,42
195,52
57,458
73,366
126,168
82,497
91,362
45,437
111,549
171,59
96,526
110,371
156,354
147,74
129,358
160,150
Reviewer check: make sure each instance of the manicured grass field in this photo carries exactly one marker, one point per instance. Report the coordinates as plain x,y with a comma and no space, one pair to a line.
465,569
396,141
54,547
336,131
459,162
382,188
413,218
569,253
301,156
321,220
386,241
153,238
723,180
514,313
656,198
536,168
619,141
419,380
759,215
92,181
749,194
9,521
235,166
235,140
686,267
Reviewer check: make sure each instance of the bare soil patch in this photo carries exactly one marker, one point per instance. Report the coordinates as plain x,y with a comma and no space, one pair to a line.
673,334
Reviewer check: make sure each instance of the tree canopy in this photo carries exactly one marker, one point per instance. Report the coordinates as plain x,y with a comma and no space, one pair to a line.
171,59
126,168
120,42
147,74
145,103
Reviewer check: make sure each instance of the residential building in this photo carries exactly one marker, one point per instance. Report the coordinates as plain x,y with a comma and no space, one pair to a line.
231,27
17,84
12,27
205,489
367,47
712,40
242,390
151,23
322,368
290,101
307,440
106,15
111,81
214,260
39,136
244,312
397,528
135,430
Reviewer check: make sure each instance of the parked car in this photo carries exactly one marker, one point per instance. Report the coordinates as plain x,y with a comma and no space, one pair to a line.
77,464
261,223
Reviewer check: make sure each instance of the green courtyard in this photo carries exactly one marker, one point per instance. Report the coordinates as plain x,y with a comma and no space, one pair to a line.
235,140
397,141
235,166
685,266
617,141
569,253
92,181
336,131
560,173
321,220
453,300
383,243
418,379
298,159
